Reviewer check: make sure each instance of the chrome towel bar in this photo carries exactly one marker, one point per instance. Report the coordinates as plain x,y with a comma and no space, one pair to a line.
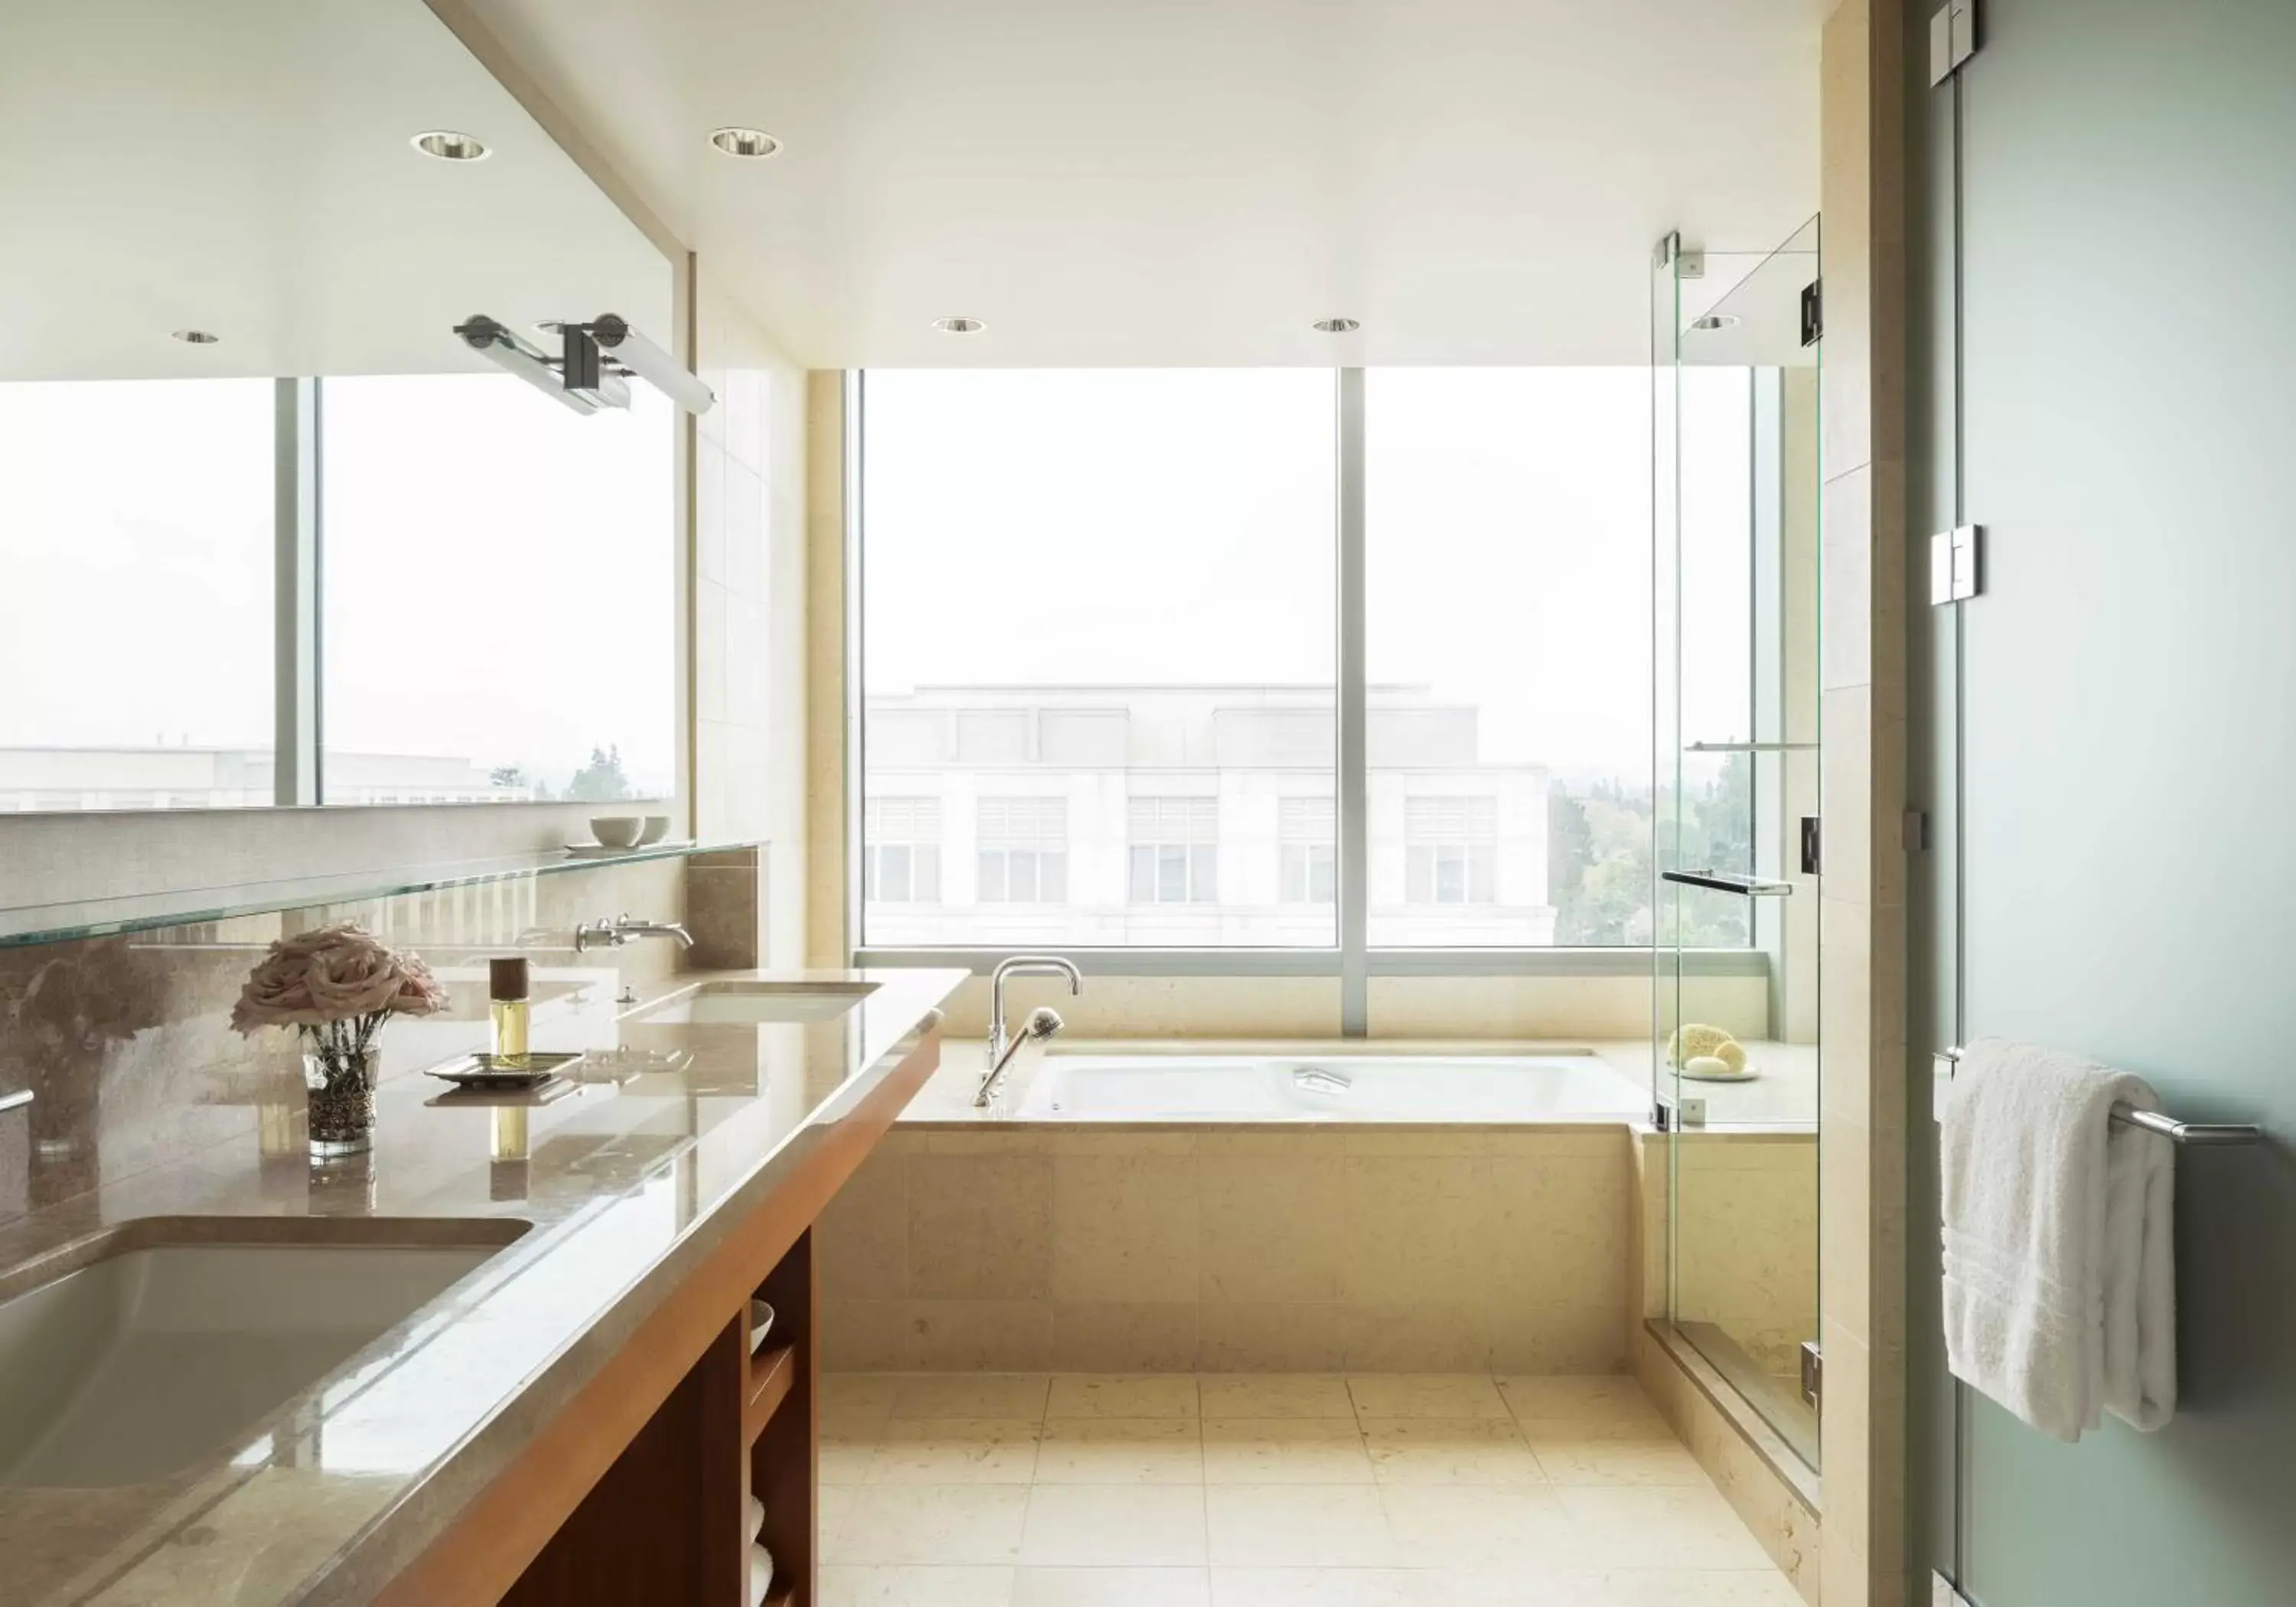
1947,1060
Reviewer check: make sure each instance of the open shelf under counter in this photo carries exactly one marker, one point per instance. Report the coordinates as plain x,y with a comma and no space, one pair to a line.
771,1372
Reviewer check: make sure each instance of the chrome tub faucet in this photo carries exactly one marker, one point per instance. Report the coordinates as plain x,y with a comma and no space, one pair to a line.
1042,1023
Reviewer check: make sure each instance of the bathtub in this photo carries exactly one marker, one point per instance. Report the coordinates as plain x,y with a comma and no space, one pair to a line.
1338,1087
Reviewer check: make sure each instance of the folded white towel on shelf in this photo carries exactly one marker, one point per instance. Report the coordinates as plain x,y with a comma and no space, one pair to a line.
761,1575
757,1515
2060,1271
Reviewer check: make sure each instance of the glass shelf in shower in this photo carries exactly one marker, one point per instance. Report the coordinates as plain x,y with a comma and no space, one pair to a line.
31,923
1752,748
1730,881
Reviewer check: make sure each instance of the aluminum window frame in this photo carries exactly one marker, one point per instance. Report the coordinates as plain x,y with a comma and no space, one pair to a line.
1350,957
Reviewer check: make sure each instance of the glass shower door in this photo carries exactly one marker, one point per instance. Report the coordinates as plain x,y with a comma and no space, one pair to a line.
1735,1043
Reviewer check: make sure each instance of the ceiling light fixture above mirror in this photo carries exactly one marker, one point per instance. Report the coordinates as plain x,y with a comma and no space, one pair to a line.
754,143
194,337
1337,326
450,146
1715,321
959,326
593,362
489,338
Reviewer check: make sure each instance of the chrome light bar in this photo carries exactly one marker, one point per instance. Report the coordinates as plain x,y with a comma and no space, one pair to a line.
596,358
494,341
649,362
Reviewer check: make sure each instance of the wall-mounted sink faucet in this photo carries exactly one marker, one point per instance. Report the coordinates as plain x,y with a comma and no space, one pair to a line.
602,933
1042,1024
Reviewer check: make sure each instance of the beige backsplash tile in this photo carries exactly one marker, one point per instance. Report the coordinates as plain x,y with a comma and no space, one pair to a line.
127,1043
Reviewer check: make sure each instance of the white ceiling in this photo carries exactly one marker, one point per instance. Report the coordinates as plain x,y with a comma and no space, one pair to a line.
1195,181
243,167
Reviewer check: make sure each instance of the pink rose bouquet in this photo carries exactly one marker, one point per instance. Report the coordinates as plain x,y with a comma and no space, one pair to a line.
335,986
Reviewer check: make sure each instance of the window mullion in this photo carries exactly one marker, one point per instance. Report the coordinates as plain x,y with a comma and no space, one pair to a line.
1354,841
295,592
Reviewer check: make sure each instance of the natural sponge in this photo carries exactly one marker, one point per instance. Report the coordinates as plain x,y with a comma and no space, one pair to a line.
1692,1040
1733,1056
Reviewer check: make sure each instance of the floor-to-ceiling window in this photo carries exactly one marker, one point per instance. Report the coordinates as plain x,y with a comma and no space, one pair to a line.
1099,657
1101,660
1507,656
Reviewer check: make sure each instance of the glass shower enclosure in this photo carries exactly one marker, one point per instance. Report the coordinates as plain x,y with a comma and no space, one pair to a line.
1737,845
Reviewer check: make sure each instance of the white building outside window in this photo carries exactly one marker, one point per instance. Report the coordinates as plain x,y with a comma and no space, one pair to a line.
1451,847
1309,860
901,863
1175,845
1024,857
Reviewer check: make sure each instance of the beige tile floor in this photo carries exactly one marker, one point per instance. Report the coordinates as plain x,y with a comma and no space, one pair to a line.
1260,1490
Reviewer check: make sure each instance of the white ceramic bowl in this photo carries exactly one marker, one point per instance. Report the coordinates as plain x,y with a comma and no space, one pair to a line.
618,830
657,827
761,1323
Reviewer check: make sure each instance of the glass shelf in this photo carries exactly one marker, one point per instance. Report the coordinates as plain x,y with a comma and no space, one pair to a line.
1729,882
32,923
1752,748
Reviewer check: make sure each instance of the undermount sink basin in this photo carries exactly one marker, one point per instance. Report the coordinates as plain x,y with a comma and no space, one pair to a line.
133,1355
736,1004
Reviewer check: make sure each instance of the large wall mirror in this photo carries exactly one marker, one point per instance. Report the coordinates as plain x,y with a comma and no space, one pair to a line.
270,530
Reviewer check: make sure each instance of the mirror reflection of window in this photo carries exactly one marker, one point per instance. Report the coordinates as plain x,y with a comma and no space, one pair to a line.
499,576
136,654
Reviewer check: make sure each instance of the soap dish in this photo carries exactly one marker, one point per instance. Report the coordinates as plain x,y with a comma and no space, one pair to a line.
498,1071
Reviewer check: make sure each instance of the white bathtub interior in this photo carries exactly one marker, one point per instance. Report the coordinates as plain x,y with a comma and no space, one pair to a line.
1552,1085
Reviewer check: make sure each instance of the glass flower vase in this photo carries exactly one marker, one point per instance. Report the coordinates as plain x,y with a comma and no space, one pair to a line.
339,1091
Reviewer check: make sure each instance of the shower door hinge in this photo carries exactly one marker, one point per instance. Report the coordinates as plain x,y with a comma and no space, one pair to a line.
1688,262
1955,575
1813,312
1811,852
1813,1376
1953,38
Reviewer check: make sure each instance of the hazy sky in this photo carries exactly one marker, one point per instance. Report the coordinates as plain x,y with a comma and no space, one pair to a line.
1178,526
498,570
499,585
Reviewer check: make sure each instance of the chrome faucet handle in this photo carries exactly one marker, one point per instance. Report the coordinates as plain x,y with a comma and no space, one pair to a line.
589,933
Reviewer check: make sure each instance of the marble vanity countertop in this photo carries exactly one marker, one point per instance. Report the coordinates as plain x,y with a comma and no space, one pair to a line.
629,1183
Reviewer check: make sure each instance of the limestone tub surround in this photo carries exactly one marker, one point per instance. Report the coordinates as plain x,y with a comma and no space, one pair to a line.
971,1241
629,1185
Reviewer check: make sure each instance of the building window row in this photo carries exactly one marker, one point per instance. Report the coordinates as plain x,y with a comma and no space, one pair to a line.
1450,851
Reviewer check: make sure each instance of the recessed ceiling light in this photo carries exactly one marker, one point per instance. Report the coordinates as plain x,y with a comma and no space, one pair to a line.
1337,326
959,326
1715,321
196,337
754,143
450,146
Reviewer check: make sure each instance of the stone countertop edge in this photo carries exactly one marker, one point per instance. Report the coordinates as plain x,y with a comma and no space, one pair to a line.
183,1538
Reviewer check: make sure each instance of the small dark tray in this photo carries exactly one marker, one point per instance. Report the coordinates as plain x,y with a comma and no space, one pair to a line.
487,1071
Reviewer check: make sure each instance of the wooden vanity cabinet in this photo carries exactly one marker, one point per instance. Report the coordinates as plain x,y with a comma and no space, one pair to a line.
632,1494
668,1522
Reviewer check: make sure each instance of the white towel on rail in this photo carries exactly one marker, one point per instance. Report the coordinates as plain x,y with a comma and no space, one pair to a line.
2060,1271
